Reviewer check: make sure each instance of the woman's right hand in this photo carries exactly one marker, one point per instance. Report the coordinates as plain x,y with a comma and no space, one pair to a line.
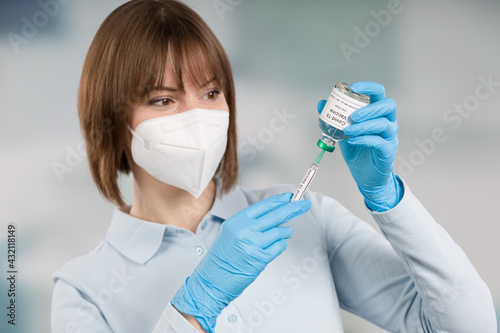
245,244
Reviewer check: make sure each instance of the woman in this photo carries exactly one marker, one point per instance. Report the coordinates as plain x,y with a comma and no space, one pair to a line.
195,253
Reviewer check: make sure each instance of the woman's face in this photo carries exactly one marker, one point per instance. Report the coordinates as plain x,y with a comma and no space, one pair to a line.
169,99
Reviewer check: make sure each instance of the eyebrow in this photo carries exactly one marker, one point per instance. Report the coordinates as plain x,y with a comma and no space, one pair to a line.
162,88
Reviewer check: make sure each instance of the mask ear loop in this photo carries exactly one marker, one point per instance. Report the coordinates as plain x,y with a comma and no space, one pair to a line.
137,136
133,133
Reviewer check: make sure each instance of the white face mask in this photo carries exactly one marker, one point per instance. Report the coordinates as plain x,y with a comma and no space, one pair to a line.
183,149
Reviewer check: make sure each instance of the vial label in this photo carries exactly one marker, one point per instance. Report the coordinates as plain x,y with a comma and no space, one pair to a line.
338,109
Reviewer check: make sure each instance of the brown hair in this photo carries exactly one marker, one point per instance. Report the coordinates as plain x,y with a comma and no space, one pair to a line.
126,59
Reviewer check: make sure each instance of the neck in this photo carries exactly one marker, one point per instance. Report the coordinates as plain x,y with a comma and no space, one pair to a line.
162,203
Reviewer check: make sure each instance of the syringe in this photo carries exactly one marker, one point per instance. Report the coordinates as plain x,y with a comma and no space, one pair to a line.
306,181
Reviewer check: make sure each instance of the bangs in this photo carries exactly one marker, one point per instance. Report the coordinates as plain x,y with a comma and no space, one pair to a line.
190,57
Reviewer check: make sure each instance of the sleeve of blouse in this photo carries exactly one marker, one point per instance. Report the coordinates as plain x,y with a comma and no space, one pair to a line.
72,311
172,321
416,280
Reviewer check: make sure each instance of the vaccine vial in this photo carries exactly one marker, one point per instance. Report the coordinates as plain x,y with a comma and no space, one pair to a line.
336,114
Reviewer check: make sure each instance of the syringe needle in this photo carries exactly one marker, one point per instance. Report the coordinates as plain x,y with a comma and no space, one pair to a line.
320,156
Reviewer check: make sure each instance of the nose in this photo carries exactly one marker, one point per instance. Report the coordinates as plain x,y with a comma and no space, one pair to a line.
189,102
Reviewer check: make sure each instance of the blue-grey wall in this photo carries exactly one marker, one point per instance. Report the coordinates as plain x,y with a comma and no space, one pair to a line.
286,55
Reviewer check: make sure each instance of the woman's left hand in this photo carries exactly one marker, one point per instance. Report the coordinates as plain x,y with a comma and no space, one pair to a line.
371,147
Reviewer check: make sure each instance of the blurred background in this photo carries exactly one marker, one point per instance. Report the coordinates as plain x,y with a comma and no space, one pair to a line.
432,58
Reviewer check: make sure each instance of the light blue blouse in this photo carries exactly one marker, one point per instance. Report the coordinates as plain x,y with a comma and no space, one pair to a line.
416,280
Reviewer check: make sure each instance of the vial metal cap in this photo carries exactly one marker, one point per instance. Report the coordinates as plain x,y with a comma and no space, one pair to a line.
344,87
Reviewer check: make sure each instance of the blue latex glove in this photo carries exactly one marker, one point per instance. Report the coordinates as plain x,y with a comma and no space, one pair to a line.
371,147
245,244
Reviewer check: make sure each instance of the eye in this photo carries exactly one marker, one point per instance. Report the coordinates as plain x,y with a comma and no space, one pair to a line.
213,94
161,102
